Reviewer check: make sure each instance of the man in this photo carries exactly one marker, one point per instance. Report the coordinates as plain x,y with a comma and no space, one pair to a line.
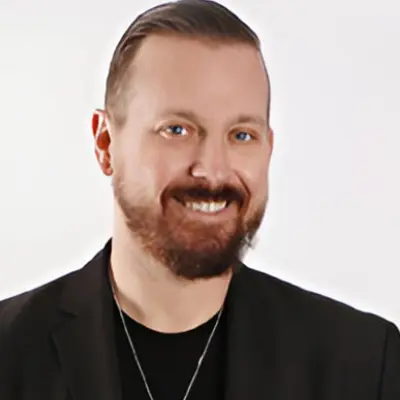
167,310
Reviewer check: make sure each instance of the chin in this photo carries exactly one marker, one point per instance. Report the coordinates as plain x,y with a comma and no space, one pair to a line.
202,269
204,259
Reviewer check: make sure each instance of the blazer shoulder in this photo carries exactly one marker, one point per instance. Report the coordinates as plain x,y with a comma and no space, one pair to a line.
356,343
18,309
319,311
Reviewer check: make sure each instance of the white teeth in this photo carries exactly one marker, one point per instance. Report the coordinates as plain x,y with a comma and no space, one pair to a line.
206,206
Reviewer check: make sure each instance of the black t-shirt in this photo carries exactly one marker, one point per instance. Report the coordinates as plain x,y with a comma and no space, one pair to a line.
169,361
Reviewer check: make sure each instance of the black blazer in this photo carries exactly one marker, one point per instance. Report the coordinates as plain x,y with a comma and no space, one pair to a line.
284,343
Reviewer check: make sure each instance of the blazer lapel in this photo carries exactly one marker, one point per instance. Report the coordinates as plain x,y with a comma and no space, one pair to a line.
258,336
252,343
84,335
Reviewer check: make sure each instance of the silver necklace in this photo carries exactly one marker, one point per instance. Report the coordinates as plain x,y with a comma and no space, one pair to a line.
135,355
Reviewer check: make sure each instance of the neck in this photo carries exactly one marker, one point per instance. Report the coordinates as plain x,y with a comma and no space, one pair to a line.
152,295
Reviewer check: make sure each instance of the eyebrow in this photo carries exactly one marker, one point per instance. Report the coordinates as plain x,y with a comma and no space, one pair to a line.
240,119
250,119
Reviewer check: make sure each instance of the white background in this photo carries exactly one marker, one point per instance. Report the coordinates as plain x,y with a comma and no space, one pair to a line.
333,223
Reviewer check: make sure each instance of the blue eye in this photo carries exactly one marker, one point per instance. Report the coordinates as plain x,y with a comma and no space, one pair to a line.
242,136
176,130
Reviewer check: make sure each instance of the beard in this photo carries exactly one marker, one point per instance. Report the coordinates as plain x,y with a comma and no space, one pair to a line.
189,248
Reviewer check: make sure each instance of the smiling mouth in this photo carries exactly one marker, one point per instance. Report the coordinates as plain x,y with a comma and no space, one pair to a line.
204,206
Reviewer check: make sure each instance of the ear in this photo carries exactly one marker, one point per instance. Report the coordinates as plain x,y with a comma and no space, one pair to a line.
102,140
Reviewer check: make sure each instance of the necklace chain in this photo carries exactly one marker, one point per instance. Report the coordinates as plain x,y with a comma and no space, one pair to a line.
135,355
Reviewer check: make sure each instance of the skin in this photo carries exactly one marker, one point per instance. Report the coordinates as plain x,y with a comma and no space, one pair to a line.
196,117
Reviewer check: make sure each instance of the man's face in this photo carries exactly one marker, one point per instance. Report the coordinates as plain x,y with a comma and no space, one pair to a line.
190,165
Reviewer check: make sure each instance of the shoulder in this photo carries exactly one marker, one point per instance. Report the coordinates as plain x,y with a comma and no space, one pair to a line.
37,310
30,308
316,314
337,340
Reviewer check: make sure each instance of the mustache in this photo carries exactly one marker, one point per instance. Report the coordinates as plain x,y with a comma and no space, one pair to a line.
206,192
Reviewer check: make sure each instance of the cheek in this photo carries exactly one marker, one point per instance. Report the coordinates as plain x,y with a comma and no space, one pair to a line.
259,189
132,170
256,179
169,171
157,166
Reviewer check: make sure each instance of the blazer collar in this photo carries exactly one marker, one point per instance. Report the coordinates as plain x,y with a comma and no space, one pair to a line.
252,341
84,336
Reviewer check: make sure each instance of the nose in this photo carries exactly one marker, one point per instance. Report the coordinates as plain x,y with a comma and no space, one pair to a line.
212,162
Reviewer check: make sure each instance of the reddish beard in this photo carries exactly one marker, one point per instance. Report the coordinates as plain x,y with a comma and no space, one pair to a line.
189,249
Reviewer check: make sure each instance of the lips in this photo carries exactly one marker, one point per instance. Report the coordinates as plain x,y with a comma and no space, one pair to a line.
207,201
206,206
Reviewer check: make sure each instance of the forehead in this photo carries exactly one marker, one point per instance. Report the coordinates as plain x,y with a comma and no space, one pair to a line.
204,76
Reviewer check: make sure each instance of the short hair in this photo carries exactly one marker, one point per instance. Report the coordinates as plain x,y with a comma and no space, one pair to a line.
204,19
